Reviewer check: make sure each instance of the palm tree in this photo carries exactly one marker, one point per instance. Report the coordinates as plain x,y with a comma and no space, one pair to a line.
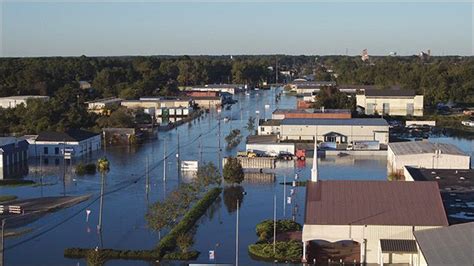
103,167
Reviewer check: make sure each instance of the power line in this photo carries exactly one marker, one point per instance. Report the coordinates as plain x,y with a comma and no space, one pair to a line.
126,184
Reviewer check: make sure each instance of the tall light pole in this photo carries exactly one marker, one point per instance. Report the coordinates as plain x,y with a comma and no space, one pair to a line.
237,232
274,222
237,236
164,159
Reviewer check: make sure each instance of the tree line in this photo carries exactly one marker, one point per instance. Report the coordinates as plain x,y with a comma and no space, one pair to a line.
440,79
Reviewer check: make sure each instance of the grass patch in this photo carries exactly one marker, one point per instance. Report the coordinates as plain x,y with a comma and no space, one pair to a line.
16,182
191,255
4,198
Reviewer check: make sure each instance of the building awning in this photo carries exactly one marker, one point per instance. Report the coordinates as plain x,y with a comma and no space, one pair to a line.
333,134
398,246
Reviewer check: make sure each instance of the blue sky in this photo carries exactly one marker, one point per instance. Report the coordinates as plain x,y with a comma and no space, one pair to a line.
147,28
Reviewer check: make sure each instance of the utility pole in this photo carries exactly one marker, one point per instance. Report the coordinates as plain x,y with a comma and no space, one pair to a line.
164,159
274,221
2,242
178,161
219,148
147,185
284,195
64,167
237,236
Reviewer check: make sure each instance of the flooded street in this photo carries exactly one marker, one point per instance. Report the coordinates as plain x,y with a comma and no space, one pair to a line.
126,201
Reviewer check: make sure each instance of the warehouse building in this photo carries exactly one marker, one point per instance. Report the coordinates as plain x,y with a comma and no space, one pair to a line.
68,144
338,131
14,101
393,102
456,187
424,154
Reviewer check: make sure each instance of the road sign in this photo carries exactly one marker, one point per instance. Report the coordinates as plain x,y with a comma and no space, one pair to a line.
211,255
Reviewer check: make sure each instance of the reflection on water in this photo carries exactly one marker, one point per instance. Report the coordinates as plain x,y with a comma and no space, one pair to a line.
124,225
15,171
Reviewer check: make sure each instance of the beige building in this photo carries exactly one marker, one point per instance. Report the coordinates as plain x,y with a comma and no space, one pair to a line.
101,106
335,130
208,102
424,154
141,104
269,127
394,102
14,101
379,217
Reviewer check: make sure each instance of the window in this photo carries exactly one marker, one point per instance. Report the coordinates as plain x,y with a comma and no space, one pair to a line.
45,150
56,150
410,109
263,129
386,108
370,109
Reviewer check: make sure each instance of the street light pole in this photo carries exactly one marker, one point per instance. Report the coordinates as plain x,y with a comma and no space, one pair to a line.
2,242
237,236
274,222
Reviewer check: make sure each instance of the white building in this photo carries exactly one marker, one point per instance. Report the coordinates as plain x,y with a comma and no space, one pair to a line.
229,88
394,102
305,87
75,142
424,154
269,127
338,131
14,101
100,106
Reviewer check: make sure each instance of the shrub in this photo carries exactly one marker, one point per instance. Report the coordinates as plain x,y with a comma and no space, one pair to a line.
265,229
284,251
16,182
85,169
168,243
184,242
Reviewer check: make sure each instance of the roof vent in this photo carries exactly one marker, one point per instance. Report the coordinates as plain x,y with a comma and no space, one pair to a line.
461,178
456,172
437,177
433,172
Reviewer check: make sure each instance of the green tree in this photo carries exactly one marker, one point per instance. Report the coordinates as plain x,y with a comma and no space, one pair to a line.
233,171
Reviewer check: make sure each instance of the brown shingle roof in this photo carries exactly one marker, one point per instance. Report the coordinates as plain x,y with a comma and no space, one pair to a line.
374,203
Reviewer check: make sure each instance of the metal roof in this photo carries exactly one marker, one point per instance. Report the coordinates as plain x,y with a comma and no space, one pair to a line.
312,111
335,122
68,135
453,245
351,202
422,147
398,246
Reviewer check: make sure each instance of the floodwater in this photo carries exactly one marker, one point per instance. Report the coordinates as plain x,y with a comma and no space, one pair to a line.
126,200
